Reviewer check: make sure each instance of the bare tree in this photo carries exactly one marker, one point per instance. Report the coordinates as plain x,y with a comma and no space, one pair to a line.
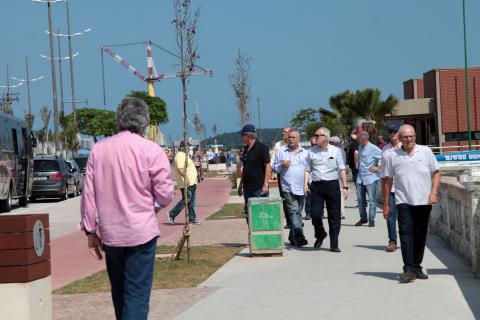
45,114
185,31
29,119
240,82
198,124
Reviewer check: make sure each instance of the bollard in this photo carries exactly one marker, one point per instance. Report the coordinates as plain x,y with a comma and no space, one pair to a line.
25,281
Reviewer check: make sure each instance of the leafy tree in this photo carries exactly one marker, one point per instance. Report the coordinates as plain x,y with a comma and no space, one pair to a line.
94,122
304,117
157,108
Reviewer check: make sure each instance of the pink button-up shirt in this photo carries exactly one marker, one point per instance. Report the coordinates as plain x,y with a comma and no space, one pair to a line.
126,174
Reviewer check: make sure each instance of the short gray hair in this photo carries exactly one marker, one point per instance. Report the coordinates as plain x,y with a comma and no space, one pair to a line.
132,115
326,131
363,135
296,131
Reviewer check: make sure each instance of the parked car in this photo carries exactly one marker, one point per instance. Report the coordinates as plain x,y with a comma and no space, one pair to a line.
77,175
82,163
52,178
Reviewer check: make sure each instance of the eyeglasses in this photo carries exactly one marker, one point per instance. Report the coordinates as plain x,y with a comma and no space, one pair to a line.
291,137
392,131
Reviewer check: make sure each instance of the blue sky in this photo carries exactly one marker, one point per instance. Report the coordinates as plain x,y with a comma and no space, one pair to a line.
302,51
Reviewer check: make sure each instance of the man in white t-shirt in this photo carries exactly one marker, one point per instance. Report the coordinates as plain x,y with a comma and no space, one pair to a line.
279,146
415,171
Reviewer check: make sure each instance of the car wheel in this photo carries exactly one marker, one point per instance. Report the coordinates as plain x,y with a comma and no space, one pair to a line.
23,201
33,199
6,205
65,193
77,190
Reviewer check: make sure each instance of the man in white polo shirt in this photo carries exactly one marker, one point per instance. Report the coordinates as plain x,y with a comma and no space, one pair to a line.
415,171
325,165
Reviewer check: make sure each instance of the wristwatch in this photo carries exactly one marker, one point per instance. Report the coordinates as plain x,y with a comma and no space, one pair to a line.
345,188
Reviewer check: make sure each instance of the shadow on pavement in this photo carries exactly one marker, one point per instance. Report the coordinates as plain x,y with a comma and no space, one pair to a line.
384,275
309,248
468,284
234,245
378,248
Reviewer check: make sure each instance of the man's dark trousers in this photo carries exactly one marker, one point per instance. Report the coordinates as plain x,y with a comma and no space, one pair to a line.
130,270
327,192
413,228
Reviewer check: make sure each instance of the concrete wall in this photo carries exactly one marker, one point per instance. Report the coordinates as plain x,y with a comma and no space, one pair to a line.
456,218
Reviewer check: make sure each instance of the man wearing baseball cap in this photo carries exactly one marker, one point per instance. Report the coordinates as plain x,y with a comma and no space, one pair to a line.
255,169
387,152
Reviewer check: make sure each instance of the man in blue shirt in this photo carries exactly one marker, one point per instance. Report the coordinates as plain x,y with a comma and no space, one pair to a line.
369,156
290,163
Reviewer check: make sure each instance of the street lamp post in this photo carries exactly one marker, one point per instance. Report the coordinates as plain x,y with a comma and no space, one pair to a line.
54,76
258,108
467,96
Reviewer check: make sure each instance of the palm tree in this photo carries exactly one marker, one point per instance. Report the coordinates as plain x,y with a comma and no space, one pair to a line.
368,105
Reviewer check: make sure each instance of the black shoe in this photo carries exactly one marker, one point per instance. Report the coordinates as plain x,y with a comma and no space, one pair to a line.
361,222
335,250
407,277
319,242
420,275
371,224
302,242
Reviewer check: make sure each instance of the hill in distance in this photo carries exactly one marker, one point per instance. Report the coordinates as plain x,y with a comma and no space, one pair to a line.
233,139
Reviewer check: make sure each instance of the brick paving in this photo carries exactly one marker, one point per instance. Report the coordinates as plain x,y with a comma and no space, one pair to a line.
166,303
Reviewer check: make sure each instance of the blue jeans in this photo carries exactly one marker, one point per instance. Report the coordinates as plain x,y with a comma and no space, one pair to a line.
392,219
191,192
247,194
130,270
362,191
295,204
308,205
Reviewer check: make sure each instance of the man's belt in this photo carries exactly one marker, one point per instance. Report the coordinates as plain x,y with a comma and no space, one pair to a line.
323,181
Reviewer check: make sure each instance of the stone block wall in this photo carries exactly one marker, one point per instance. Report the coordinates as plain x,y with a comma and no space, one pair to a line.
456,218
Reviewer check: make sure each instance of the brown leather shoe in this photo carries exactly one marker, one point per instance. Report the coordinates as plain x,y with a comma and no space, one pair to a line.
361,222
392,246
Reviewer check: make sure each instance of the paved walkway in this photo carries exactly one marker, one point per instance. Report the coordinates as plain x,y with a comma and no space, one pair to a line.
359,283
71,260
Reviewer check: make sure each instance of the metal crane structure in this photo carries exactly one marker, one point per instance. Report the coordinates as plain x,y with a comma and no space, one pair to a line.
152,75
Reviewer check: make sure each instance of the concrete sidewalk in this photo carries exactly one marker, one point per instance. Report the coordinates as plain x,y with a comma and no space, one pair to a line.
359,283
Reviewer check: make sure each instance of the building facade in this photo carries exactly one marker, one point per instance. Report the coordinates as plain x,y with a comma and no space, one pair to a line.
436,106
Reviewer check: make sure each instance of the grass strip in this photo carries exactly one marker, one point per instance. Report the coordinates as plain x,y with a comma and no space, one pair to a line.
229,211
205,261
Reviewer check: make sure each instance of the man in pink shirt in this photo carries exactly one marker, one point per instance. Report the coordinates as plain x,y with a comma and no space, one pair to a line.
128,179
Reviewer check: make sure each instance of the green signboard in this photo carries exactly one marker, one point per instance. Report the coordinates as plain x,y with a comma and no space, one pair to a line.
266,225
266,216
267,241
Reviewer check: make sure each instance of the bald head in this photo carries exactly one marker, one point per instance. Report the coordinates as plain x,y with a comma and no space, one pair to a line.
407,137
285,133
406,130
